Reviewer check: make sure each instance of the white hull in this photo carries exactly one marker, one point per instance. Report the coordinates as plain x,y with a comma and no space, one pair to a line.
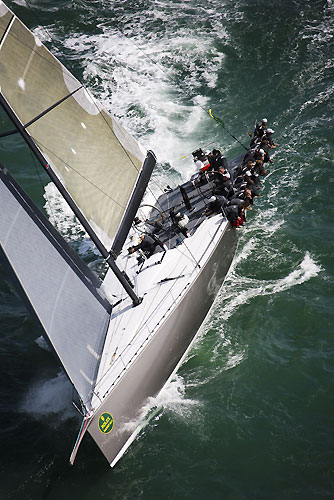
155,339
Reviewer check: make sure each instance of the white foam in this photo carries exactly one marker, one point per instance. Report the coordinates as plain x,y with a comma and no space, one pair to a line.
45,398
235,360
37,41
172,398
23,3
266,221
246,251
135,87
41,342
243,289
42,34
60,214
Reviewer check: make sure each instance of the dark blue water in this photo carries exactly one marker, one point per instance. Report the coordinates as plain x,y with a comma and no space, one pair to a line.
250,413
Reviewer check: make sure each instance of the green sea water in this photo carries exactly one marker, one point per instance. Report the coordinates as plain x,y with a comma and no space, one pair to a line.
250,413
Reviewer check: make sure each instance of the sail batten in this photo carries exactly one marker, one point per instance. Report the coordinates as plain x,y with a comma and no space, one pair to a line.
94,156
50,108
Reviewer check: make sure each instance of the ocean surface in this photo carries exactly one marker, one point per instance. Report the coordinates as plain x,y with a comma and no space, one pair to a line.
250,413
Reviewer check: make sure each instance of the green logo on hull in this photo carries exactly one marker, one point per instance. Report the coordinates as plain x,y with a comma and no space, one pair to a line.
106,423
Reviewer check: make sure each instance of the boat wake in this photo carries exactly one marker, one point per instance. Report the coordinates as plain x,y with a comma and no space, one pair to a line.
240,289
172,399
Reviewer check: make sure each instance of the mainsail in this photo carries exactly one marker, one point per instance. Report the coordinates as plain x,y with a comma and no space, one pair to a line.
60,290
96,159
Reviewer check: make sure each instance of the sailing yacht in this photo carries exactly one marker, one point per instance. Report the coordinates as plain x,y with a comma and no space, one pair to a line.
122,338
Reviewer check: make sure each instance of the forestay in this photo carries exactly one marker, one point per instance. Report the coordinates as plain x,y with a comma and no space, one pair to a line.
97,160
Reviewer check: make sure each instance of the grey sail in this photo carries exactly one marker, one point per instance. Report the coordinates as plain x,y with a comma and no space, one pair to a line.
61,291
94,156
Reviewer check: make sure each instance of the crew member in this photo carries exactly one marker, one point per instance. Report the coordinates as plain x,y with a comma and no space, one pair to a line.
269,136
260,128
225,187
215,205
146,244
180,221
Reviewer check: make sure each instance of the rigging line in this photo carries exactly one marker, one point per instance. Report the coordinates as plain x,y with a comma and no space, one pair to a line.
158,286
113,329
77,172
201,194
160,183
143,320
122,296
170,221
185,91
116,324
192,258
158,186
221,123
133,279
157,199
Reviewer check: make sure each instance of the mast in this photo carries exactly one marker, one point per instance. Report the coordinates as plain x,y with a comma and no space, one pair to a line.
82,219
134,202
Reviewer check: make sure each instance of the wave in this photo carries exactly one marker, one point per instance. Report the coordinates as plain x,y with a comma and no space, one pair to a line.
242,290
172,399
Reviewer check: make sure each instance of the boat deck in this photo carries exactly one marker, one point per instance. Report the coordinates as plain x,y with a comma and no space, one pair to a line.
162,280
190,199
